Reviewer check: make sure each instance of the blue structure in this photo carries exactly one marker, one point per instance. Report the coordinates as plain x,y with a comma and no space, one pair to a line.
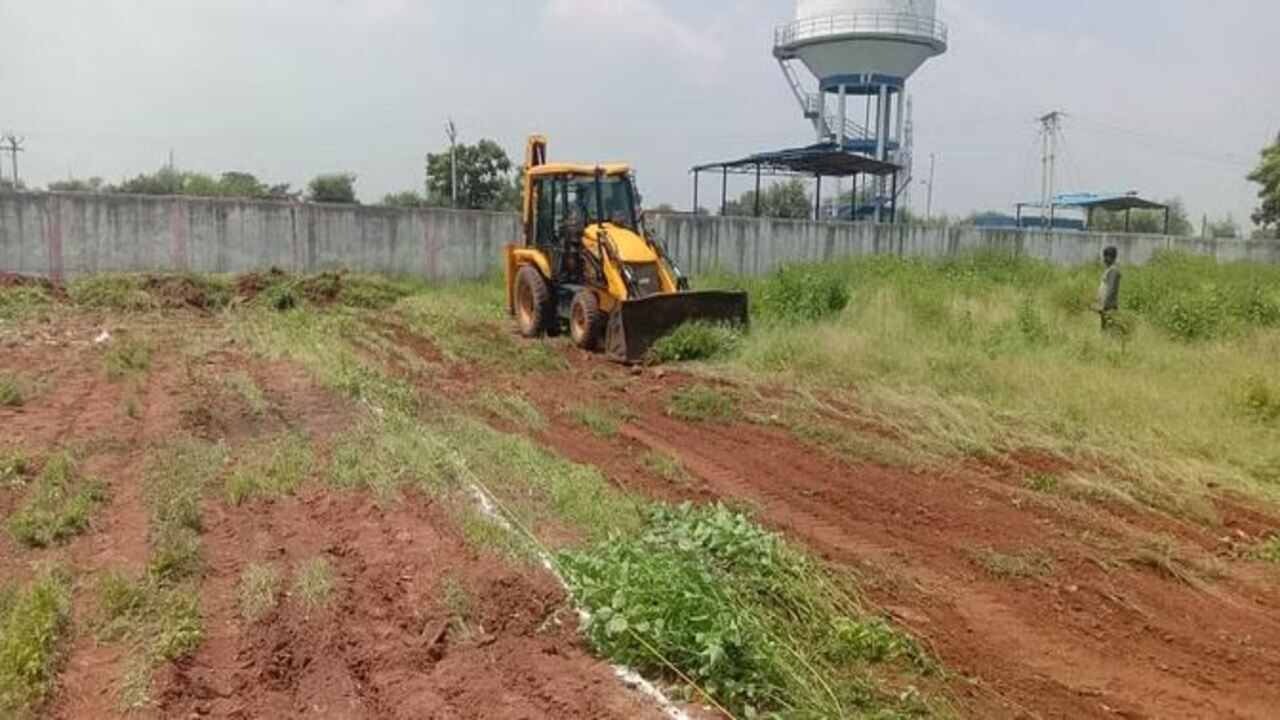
1088,203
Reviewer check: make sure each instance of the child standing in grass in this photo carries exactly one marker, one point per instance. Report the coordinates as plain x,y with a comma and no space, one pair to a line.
1109,288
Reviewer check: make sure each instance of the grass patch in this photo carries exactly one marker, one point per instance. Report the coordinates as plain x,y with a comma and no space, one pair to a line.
754,622
696,341
23,301
173,484
33,621
11,392
127,357
15,467
468,322
159,620
513,408
702,403
244,386
1015,566
1163,556
604,421
314,583
1268,550
998,356
1046,483
58,504
259,586
666,467
275,470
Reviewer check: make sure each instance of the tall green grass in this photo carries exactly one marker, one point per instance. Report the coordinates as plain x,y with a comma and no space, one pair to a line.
992,354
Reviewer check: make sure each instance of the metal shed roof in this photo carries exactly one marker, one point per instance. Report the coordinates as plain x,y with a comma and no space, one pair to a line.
825,159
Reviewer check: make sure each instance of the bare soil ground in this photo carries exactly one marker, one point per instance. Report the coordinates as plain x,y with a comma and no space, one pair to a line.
1114,611
420,624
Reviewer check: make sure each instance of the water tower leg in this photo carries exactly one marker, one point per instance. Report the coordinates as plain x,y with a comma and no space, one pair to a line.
844,115
882,133
902,93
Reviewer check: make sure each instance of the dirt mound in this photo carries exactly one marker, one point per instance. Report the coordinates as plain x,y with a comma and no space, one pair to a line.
251,285
183,291
14,280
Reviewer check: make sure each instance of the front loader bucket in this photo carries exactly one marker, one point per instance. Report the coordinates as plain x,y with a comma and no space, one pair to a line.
637,324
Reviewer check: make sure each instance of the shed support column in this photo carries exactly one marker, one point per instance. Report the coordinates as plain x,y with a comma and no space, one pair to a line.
1166,221
817,201
853,200
695,192
757,190
724,190
893,202
1128,217
902,116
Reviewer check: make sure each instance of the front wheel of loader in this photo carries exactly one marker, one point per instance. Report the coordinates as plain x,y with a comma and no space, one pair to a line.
586,320
533,302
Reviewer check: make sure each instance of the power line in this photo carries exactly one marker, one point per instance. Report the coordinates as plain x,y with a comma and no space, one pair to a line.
1167,144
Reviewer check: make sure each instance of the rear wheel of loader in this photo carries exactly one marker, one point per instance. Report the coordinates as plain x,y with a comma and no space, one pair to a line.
533,302
586,320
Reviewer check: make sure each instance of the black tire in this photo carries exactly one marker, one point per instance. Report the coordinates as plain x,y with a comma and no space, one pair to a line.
586,320
533,302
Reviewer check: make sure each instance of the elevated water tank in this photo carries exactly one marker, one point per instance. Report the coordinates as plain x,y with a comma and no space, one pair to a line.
838,39
860,51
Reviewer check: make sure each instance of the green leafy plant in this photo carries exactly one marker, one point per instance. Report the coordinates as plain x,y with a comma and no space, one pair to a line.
754,623
696,341
804,293
32,624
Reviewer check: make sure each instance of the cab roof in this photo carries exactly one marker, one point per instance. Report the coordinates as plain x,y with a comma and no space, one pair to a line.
551,169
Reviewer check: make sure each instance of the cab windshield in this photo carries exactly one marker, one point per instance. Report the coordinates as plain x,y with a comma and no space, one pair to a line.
616,200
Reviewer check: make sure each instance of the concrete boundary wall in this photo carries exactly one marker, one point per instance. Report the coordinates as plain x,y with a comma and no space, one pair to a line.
64,235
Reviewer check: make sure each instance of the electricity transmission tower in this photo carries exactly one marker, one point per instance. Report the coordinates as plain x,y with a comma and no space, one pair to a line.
1050,126
12,144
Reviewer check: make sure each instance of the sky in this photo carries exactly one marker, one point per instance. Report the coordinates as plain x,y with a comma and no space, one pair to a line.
1171,98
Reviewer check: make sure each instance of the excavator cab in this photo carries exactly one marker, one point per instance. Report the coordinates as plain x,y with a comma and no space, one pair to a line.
588,262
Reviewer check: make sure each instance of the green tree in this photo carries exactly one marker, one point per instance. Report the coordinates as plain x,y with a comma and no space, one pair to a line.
787,199
407,199
1224,229
484,181
93,184
165,181
1267,174
242,184
333,188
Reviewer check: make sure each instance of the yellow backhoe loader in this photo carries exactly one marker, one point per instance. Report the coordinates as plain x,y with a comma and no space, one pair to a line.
587,261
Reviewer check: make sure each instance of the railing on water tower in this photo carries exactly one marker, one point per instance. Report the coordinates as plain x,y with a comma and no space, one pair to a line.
858,23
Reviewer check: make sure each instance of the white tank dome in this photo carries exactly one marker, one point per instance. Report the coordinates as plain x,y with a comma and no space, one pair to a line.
840,39
806,9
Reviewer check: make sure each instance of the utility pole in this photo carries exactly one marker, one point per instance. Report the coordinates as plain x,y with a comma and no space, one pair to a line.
1049,126
451,131
13,145
928,207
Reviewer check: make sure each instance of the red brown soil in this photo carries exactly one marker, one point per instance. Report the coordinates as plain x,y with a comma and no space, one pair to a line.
1104,634
390,645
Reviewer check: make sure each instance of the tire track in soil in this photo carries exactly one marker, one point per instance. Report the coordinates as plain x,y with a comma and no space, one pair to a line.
387,648
1084,642
88,684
